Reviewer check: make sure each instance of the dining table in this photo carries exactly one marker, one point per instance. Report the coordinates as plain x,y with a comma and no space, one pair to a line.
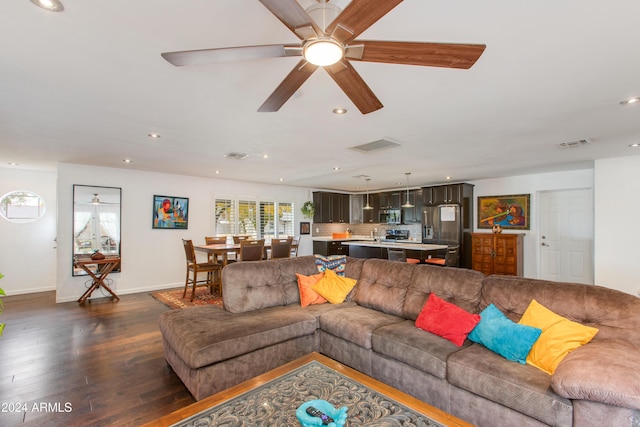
222,250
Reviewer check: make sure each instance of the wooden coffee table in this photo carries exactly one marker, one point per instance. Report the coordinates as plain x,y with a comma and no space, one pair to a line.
272,398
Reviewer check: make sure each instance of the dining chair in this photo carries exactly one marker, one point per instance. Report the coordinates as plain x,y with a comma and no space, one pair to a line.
396,254
252,250
450,258
281,248
240,239
295,242
214,241
399,254
213,270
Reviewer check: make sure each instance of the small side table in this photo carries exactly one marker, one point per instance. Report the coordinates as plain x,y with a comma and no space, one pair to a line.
104,267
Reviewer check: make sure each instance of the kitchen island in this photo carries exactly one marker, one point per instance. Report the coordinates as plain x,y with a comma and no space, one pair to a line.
378,249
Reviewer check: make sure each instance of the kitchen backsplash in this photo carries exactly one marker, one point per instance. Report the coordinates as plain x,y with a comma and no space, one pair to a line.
415,230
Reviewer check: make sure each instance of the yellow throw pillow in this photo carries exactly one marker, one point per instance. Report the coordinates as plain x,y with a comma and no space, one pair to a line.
334,288
559,336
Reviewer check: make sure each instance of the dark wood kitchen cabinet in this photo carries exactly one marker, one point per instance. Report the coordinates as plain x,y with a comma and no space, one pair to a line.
371,216
390,200
444,194
414,214
498,253
332,247
330,207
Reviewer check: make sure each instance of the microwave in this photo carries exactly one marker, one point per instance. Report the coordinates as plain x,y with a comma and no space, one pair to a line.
390,216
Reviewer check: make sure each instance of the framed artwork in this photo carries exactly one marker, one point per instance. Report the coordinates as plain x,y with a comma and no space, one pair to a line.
510,212
305,228
170,212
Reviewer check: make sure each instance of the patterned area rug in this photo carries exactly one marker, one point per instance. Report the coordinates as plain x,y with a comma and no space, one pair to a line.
173,297
274,403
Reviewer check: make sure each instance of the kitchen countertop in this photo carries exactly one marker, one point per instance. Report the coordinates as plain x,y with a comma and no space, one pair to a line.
411,245
344,239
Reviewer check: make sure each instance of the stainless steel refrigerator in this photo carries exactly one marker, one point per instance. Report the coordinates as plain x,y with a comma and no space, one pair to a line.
442,225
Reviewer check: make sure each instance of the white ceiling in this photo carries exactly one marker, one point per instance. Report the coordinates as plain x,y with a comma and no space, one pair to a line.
88,84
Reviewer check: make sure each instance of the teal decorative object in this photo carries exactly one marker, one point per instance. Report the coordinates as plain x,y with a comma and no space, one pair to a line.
339,416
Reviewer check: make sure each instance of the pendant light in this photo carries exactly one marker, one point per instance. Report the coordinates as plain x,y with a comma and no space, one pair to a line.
407,204
367,207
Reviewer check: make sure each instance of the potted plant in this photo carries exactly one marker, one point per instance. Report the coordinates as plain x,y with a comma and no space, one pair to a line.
308,209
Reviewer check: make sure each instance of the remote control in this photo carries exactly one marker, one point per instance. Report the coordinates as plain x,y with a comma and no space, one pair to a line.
316,413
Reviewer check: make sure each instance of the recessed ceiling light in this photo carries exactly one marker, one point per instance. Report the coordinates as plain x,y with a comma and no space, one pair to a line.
336,168
51,5
127,160
339,111
281,179
217,172
265,156
14,164
153,135
637,144
630,101
448,178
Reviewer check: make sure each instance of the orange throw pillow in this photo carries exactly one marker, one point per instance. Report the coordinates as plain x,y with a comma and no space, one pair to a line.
307,295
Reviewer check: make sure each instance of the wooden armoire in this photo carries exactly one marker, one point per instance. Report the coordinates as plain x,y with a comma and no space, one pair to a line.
497,253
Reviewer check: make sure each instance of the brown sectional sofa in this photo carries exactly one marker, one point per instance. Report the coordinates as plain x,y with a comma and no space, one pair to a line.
263,326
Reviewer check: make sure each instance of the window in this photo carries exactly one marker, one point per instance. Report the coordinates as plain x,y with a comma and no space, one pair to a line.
21,206
271,219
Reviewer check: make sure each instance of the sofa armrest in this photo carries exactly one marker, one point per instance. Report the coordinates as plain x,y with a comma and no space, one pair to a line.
604,371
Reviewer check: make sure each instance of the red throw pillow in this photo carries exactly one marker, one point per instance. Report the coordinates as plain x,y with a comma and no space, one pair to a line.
446,320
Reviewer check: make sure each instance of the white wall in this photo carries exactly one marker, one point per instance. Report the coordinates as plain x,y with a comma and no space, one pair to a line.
27,251
531,184
153,259
617,228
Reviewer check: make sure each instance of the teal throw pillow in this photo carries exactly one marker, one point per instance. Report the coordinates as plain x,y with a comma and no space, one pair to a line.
501,335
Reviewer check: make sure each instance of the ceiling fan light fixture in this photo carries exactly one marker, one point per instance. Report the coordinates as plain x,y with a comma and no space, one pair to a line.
50,5
323,51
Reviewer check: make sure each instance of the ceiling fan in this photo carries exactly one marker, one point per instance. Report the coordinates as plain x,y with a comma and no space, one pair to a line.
339,40
96,201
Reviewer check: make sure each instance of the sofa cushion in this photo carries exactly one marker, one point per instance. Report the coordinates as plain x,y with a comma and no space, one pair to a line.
559,336
446,320
334,288
498,333
356,324
458,286
253,285
415,347
307,295
602,371
204,335
613,312
383,285
522,388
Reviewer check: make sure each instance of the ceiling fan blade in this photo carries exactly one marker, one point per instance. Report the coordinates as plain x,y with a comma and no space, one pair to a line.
288,87
291,14
228,54
449,55
354,87
358,16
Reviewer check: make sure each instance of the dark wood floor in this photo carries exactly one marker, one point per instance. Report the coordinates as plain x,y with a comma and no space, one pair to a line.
99,364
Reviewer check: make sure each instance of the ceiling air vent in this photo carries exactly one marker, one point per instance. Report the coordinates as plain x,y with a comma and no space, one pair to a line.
381,144
236,156
574,144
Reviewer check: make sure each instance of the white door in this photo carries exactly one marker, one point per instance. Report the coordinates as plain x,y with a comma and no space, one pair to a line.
566,236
